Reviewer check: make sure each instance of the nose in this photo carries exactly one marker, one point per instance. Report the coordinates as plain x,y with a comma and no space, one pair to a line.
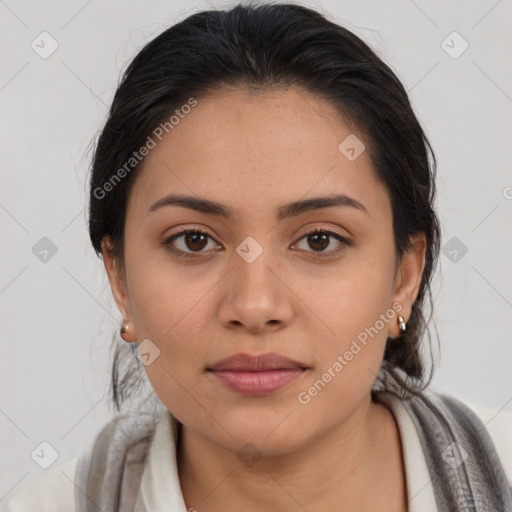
256,296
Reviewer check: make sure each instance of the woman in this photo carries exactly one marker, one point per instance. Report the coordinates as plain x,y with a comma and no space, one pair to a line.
263,200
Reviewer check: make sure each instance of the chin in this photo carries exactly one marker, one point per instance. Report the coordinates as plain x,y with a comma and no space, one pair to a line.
270,432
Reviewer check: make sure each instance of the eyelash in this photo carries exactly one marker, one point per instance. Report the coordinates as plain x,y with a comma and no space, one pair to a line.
344,242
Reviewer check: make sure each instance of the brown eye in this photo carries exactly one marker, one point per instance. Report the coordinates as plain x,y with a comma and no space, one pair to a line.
195,241
320,239
187,242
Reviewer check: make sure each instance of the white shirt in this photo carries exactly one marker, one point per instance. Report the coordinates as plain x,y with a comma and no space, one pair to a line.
160,490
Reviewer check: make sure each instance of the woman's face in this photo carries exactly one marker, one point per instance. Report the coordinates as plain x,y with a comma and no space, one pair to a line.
256,283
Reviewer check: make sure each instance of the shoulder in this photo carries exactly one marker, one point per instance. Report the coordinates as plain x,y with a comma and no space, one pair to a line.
51,491
54,490
498,423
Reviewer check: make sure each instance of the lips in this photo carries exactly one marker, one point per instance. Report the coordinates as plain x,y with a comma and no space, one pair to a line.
263,362
256,375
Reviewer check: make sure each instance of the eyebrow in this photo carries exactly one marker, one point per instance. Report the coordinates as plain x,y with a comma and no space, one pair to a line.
288,210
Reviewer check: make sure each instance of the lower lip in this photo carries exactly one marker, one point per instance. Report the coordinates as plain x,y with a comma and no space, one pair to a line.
257,383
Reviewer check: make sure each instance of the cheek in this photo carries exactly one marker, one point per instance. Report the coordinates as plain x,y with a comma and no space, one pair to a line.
354,298
355,313
348,361
172,312
177,371
164,297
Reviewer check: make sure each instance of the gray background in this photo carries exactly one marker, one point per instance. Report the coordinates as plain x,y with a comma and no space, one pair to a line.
57,316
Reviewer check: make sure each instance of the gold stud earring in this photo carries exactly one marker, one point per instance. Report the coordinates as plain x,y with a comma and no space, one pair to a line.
123,331
401,324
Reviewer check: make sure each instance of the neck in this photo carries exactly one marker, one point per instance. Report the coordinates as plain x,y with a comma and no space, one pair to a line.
357,466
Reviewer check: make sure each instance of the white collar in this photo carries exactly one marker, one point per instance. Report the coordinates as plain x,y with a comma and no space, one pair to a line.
420,492
160,486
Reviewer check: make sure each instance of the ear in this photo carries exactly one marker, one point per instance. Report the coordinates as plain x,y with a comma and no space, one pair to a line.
117,279
408,277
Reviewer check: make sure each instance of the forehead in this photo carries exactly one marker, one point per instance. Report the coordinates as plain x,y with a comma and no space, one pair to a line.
258,149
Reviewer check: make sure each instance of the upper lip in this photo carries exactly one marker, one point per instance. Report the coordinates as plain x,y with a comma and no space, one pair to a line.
262,362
